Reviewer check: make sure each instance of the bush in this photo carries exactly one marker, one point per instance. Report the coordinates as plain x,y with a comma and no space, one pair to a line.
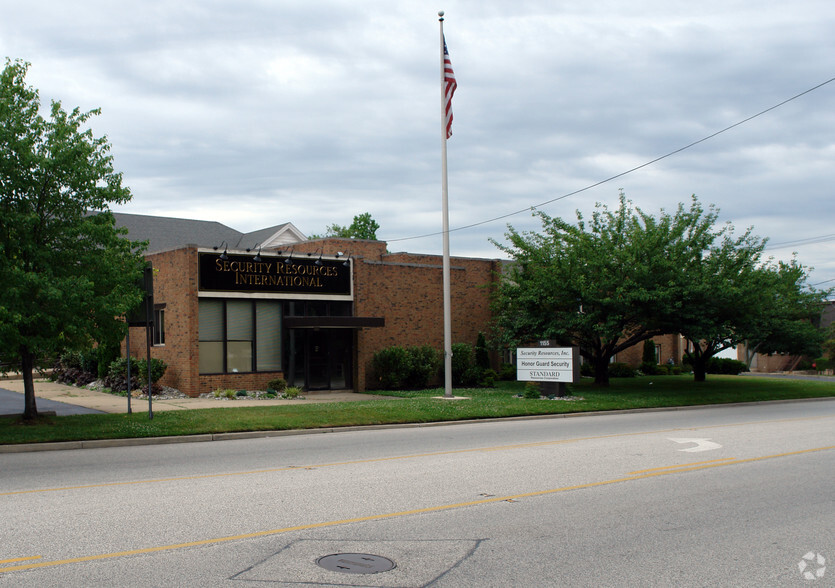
507,372
76,368
107,354
724,365
158,368
649,368
462,360
621,370
397,368
648,355
391,367
587,369
291,392
482,357
532,390
117,377
277,384
423,365
224,393
478,377
822,363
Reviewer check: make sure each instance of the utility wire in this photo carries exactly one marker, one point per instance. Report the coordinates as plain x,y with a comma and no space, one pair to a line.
799,242
620,175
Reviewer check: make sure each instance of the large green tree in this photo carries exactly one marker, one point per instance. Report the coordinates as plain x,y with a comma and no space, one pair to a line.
726,290
733,295
602,285
789,321
66,274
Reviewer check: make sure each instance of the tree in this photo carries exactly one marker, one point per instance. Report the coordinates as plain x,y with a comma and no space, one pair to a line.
734,296
66,274
724,298
828,345
790,318
603,286
362,227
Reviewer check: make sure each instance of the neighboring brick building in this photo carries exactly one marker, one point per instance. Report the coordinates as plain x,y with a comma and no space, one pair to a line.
236,310
783,362
666,347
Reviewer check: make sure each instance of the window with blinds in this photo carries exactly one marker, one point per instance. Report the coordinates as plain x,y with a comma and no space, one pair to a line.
239,336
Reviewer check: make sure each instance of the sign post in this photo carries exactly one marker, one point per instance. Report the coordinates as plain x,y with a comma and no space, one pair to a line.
548,364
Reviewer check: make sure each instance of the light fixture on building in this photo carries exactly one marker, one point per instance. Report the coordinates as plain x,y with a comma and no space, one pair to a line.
345,263
223,255
257,258
289,260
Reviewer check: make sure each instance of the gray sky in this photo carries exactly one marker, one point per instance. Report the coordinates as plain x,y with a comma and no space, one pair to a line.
258,112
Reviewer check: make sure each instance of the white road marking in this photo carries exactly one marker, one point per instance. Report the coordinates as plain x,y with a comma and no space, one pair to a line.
701,444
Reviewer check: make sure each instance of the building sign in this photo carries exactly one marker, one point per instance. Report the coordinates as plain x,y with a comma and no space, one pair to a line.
547,364
239,273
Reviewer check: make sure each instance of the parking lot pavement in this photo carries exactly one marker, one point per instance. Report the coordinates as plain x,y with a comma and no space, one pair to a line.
11,403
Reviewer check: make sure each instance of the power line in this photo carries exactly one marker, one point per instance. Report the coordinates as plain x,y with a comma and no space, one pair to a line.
808,241
620,175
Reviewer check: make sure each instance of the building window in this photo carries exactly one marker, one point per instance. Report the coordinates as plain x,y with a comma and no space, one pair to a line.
239,336
159,326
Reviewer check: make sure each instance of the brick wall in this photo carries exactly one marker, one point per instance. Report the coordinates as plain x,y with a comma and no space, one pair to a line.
671,346
406,289
175,286
408,292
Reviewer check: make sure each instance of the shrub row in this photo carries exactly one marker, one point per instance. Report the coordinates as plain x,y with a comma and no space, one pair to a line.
398,368
415,368
82,368
725,365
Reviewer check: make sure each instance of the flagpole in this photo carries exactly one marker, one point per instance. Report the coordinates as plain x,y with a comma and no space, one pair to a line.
445,199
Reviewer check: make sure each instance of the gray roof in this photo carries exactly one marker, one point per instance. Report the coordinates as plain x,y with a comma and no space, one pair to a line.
166,233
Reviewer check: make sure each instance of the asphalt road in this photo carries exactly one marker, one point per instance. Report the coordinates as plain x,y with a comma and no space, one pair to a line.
724,496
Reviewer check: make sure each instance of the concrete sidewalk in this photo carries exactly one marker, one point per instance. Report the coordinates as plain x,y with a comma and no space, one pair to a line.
101,401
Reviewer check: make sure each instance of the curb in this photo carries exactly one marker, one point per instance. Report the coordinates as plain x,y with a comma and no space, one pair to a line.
202,438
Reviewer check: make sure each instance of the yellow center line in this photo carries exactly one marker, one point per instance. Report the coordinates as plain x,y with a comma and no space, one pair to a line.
16,559
400,457
684,465
382,516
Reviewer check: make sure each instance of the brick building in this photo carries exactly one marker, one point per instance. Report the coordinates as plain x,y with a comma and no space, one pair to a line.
666,347
235,310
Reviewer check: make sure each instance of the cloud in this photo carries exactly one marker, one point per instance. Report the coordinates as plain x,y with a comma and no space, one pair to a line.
259,112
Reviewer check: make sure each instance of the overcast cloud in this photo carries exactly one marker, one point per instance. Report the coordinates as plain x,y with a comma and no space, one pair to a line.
257,112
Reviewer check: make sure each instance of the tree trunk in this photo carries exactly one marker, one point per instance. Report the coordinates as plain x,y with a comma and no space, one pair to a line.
27,362
699,370
601,371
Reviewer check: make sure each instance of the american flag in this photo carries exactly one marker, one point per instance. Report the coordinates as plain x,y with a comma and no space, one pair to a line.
449,90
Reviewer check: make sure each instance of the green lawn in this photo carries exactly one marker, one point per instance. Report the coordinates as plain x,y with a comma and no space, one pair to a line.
417,407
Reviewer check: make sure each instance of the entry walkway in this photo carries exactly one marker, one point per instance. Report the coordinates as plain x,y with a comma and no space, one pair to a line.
63,400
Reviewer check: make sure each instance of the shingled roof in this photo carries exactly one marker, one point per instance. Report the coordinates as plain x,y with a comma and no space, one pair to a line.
166,233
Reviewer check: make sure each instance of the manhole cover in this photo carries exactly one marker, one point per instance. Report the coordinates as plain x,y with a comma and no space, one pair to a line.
355,563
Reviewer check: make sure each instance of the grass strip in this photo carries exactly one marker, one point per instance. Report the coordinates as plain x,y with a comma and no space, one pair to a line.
417,407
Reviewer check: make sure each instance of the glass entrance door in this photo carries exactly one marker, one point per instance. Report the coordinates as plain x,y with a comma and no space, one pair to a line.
320,359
